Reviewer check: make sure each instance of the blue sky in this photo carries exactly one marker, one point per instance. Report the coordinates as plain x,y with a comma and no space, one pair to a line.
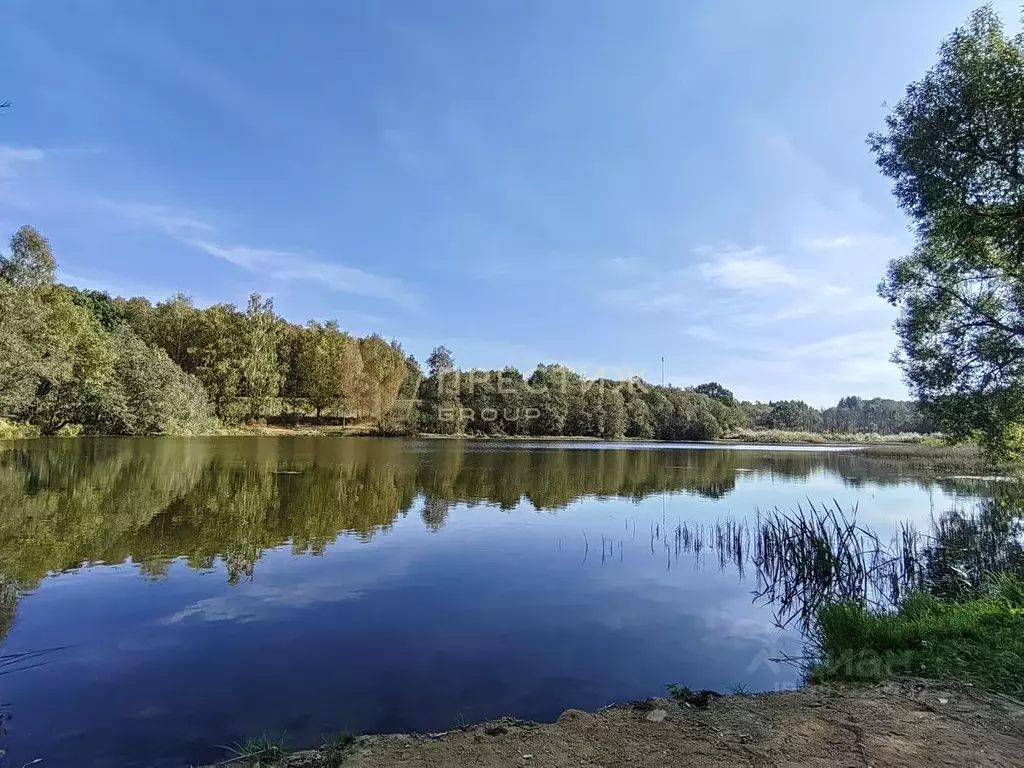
595,182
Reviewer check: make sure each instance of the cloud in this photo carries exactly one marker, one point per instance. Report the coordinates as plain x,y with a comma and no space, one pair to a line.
706,333
172,222
285,266
828,365
294,267
815,300
843,345
12,156
828,243
747,270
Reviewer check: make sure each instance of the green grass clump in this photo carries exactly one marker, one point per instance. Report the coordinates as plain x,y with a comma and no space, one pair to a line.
979,642
258,751
686,697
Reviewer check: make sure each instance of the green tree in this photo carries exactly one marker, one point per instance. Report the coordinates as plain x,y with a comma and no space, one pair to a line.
413,378
478,395
175,327
614,408
513,397
74,377
577,420
952,147
716,391
638,418
218,358
352,379
795,415
592,417
383,372
150,394
138,313
25,343
261,378
441,410
321,355
30,263
106,310
290,339
548,394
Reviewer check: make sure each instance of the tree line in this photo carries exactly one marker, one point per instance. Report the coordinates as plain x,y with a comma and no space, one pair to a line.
81,360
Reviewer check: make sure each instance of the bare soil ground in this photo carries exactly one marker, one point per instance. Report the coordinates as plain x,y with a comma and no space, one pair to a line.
897,724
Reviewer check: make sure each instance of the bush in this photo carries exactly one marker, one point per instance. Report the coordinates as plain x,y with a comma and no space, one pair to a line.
10,430
150,394
400,419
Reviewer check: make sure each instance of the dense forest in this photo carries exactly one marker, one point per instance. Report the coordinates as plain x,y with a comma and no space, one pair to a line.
78,361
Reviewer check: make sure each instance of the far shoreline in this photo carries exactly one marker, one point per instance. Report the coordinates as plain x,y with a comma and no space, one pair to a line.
334,431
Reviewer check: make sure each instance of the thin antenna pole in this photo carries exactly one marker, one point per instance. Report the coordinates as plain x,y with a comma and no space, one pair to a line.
663,370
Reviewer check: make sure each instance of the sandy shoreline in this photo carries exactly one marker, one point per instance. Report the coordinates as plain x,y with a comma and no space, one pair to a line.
910,723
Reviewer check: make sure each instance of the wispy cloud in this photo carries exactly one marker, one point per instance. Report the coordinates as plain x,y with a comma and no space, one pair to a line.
11,157
830,243
746,270
171,221
281,265
814,300
288,266
706,333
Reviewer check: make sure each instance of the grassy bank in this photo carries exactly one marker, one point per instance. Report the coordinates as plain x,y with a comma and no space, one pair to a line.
980,642
787,436
962,458
947,604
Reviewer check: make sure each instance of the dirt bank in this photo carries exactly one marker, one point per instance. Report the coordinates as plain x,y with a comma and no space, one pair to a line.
897,724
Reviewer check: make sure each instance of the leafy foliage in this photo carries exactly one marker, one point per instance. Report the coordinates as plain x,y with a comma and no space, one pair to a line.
321,365
261,378
716,391
30,264
952,147
81,360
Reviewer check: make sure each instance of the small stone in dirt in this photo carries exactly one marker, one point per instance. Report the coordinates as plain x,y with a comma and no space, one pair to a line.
943,701
656,715
495,730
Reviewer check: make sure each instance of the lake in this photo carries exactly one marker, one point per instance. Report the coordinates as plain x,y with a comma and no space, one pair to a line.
172,595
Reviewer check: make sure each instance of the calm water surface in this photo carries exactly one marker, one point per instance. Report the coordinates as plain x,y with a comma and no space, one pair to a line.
192,593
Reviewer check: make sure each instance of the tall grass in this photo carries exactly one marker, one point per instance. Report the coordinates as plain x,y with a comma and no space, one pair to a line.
784,436
820,554
257,752
980,641
959,458
948,604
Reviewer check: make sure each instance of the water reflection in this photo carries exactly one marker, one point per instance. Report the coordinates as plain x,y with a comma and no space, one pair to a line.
593,575
72,502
